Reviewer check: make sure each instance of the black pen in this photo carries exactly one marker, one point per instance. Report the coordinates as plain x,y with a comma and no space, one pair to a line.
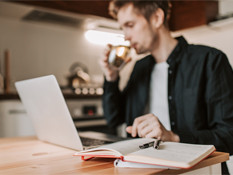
147,145
157,144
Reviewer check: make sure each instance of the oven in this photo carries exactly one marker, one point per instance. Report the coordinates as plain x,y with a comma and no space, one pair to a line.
87,114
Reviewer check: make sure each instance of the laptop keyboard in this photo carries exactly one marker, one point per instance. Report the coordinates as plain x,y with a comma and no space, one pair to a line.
93,142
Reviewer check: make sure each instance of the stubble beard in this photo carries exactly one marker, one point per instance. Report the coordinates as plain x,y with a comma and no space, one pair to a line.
141,50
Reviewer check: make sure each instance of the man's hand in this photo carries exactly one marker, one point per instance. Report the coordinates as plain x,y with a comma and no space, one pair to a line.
111,72
149,126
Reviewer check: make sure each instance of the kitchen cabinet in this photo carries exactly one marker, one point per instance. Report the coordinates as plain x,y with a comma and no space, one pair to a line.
14,120
187,14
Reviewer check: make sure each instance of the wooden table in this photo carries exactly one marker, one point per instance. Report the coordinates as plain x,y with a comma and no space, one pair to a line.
27,155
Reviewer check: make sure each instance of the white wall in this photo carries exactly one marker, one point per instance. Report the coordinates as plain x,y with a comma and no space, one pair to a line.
225,7
38,49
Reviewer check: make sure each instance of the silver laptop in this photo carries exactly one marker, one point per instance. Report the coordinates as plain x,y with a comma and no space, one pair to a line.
46,106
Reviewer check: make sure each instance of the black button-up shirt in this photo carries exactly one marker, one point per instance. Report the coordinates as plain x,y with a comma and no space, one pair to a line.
200,95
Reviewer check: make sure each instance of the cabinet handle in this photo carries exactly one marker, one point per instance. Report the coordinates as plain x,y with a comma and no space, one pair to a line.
17,111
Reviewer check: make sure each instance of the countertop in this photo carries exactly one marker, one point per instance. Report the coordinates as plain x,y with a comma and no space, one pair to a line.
67,96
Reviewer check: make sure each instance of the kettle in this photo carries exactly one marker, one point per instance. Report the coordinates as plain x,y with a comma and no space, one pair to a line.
78,76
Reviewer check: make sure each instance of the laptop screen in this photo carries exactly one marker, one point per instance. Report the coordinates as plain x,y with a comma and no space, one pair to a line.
46,106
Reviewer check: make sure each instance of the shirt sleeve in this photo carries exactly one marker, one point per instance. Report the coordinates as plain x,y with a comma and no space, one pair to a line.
219,103
112,106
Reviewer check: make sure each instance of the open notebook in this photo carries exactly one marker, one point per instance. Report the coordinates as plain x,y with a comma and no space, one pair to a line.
169,155
46,106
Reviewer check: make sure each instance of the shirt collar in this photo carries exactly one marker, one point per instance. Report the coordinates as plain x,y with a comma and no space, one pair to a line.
173,57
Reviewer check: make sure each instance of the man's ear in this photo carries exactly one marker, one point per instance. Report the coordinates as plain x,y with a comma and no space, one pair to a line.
157,18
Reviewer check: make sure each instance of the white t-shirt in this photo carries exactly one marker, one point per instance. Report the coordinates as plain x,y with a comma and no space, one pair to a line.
158,104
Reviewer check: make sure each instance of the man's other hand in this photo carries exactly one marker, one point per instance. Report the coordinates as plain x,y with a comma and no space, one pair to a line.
149,126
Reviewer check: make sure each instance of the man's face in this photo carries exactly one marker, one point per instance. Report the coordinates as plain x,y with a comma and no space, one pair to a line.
137,29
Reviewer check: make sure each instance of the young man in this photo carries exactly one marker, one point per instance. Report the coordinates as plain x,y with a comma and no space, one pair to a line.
180,92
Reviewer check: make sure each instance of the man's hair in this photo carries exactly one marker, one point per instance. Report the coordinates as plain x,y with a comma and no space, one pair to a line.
144,7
